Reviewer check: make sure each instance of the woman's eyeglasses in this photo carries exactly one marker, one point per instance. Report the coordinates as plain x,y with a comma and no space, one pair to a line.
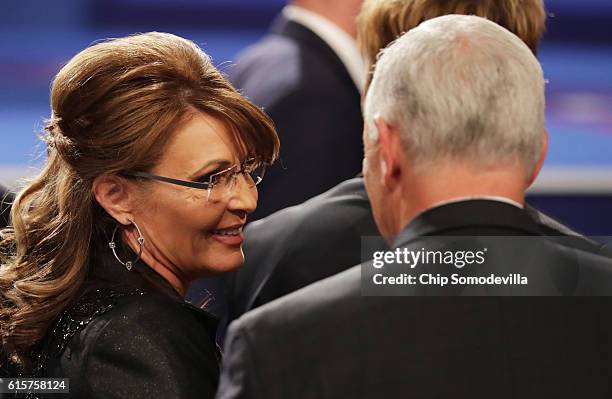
220,184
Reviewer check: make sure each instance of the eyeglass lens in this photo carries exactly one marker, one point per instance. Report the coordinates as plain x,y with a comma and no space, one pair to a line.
225,183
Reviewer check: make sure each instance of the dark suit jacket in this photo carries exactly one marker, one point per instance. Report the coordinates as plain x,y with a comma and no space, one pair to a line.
302,84
309,242
6,199
329,341
299,245
130,335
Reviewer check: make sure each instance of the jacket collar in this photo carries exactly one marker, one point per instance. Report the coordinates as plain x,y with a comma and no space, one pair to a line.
306,37
343,44
451,218
106,270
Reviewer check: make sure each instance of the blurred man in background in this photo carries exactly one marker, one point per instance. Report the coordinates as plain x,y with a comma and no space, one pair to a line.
454,136
303,244
307,74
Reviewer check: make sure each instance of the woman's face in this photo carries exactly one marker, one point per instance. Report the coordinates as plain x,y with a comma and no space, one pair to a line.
186,232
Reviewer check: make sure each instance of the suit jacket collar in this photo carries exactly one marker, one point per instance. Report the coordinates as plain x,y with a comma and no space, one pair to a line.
341,42
295,31
451,219
106,271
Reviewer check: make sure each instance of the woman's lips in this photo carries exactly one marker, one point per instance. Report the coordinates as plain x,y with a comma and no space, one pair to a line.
230,236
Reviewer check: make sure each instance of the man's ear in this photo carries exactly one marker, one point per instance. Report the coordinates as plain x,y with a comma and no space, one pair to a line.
542,157
390,150
113,194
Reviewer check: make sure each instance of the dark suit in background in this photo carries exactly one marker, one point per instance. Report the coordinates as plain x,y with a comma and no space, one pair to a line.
319,238
328,341
303,85
6,199
300,245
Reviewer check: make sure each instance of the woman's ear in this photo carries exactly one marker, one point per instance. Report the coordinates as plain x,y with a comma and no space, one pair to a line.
113,194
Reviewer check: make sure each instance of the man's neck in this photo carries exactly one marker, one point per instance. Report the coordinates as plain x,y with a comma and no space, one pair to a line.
433,189
341,43
336,13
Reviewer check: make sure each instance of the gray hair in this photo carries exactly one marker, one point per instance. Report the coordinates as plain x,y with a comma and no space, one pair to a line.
462,87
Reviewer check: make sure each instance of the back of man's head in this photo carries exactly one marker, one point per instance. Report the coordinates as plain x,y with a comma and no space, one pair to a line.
460,88
382,21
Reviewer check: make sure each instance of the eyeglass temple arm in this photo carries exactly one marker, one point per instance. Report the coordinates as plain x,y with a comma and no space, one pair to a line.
193,184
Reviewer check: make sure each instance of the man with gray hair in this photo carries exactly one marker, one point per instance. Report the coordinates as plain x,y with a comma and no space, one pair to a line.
454,112
454,136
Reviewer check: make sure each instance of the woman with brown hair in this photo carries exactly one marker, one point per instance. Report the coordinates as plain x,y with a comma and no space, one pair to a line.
153,158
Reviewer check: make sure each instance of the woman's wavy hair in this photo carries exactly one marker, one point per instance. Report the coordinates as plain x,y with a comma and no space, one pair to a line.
113,108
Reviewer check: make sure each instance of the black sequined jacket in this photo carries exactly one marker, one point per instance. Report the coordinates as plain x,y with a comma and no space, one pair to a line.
130,335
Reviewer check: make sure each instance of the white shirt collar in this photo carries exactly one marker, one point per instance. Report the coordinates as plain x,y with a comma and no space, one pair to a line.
340,42
461,199
482,197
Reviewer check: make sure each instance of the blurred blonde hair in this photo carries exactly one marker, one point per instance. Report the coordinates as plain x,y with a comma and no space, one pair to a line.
382,21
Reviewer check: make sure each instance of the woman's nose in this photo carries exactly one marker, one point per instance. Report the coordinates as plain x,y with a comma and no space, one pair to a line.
244,196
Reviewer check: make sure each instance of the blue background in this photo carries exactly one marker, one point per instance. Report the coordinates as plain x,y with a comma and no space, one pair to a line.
37,37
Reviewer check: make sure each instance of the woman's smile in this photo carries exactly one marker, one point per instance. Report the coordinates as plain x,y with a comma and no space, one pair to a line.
231,235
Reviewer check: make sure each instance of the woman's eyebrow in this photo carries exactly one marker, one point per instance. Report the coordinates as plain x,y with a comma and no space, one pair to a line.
218,162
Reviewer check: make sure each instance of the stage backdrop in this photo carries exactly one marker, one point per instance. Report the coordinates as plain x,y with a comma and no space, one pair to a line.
37,37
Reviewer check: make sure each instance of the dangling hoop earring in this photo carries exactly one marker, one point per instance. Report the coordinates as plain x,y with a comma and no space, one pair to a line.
128,265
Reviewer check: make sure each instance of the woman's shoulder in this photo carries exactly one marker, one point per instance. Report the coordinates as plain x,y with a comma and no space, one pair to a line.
131,305
84,313
111,310
130,333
